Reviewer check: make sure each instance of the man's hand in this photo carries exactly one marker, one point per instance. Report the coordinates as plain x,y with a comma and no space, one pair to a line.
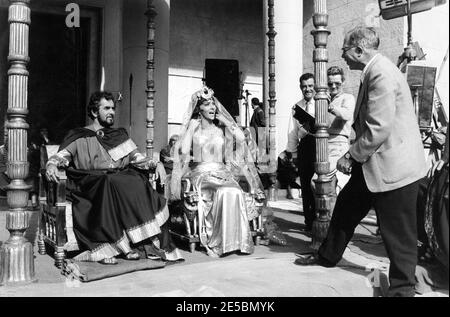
437,166
52,173
286,157
160,173
345,163
143,164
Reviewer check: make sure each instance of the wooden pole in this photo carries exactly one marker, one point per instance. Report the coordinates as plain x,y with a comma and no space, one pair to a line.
272,101
151,15
16,254
324,187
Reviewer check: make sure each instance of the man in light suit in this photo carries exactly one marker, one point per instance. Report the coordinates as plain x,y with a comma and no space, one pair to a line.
386,161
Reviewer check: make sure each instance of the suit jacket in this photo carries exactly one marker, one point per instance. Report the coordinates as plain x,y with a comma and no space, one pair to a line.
257,119
388,141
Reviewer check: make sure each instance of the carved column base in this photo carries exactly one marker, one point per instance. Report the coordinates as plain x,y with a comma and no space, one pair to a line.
16,262
319,231
324,191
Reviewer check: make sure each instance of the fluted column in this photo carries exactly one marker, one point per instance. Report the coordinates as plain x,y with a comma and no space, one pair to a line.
16,254
272,99
324,187
151,15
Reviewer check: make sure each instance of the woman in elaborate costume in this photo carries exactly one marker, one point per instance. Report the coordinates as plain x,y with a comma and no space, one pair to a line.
212,154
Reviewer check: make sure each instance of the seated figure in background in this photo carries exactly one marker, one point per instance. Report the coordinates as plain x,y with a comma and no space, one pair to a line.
287,173
115,209
213,155
166,154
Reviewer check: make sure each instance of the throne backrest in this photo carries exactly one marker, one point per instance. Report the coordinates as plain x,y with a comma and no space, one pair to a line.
46,152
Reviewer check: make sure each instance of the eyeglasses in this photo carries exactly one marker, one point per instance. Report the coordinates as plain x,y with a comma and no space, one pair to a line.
345,49
331,84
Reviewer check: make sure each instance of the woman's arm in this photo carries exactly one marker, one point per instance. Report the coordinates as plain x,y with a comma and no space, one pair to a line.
237,132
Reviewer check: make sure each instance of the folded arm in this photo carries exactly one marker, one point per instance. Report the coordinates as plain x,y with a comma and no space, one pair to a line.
296,131
345,109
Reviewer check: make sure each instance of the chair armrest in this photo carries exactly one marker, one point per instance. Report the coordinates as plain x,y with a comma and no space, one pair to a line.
188,193
55,193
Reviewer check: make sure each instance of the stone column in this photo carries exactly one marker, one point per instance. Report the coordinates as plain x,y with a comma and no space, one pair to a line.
16,254
282,68
288,21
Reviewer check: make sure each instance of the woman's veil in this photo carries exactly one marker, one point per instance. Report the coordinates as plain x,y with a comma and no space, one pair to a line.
237,155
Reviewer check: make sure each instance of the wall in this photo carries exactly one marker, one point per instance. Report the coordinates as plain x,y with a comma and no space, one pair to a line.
288,25
343,16
110,42
222,29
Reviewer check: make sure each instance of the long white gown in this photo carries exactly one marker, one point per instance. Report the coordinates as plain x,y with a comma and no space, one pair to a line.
224,224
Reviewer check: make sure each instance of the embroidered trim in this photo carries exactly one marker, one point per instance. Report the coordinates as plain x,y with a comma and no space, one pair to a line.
135,234
122,150
149,229
163,215
175,255
104,251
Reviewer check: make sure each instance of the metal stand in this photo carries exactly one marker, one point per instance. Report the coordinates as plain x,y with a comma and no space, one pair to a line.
409,53
246,108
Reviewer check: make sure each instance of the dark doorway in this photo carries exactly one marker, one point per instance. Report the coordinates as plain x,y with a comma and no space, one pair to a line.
222,75
58,67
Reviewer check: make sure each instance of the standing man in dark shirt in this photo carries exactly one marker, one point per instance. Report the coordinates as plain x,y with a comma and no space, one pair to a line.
257,121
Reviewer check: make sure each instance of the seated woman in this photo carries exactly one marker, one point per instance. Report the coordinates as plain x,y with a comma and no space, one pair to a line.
213,155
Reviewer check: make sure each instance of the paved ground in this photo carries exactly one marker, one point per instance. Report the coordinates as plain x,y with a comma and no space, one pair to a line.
269,272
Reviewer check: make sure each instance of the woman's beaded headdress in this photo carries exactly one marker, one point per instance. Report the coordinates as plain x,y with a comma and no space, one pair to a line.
205,93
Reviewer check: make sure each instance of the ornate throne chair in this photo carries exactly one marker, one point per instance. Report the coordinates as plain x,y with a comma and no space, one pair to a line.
55,221
184,214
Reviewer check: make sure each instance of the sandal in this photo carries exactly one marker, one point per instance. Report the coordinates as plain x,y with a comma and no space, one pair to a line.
109,261
211,253
132,256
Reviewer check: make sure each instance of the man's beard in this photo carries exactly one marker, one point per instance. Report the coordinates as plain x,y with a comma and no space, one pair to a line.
105,123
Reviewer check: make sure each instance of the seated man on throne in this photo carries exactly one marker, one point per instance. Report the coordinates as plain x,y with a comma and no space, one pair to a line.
115,209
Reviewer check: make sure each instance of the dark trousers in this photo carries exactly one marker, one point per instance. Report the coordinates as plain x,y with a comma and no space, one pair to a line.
396,212
306,153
